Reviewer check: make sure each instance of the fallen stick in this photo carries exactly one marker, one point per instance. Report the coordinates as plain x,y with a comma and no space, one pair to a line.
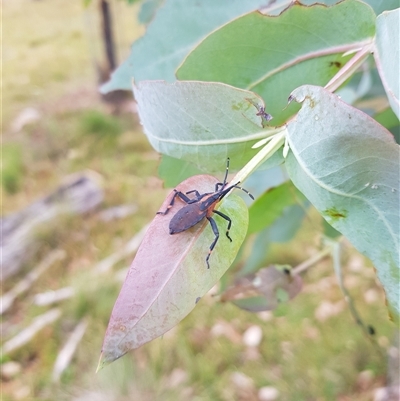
67,352
130,247
51,297
8,299
28,333
79,193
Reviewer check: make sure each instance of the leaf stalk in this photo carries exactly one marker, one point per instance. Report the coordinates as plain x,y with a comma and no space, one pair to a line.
264,154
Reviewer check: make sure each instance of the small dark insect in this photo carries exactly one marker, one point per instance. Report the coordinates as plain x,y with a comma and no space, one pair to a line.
200,207
335,63
265,117
263,114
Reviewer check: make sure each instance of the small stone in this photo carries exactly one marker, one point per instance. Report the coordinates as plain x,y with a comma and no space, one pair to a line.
240,380
177,377
252,336
371,296
22,393
10,369
364,379
265,316
268,393
328,309
25,117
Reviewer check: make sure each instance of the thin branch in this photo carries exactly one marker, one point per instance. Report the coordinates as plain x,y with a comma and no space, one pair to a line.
349,68
28,333
265,153
130,247
8,299
312,261
368,330
67,352
51,297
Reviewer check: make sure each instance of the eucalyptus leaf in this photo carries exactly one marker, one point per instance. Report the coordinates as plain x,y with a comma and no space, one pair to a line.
202,123
387,44
329,231
276,7
169,274
272,55
173,171
379,6
389,120
268,207
347,165
283,229
262,180
264,290
148,10
176,28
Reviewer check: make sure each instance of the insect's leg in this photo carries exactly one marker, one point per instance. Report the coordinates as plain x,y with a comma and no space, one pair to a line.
216,232
217,185
228,219
222,184
177,193
195,191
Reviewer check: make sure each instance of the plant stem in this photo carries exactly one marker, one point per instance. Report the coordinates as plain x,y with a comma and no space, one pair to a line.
311,261
349,69
265,153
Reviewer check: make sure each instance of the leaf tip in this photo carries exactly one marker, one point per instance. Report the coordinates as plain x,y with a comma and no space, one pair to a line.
100,365
103,361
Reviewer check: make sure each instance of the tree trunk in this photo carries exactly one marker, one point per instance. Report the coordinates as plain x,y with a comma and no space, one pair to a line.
108,35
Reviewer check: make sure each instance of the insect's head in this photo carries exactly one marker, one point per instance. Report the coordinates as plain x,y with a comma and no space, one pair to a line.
224,191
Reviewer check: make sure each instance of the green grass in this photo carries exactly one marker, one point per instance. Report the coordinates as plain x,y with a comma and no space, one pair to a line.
12,167
303,357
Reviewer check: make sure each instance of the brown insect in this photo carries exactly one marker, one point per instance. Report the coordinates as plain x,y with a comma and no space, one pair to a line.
200,207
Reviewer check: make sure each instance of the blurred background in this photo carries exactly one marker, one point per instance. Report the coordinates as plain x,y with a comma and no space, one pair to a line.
79,185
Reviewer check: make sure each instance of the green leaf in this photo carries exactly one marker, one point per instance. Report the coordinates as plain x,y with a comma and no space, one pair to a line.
253,304
283,229
177,27
273,55
389,120
387,43
347,165
382,5
264,290
169,274
173,171
329,231
275,7
202,123
270,206
148,10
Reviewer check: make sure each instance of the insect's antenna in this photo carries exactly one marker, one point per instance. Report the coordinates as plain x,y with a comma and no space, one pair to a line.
227,190
244,190
226,172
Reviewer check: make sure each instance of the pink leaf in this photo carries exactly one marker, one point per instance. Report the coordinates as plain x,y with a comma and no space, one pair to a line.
169,273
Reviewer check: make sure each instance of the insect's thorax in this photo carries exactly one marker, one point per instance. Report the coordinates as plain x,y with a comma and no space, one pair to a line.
210,201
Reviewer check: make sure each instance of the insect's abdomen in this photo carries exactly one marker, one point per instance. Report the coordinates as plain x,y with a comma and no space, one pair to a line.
185,218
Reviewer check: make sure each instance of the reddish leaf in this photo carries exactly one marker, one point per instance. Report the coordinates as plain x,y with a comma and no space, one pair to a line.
263,290
169,273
